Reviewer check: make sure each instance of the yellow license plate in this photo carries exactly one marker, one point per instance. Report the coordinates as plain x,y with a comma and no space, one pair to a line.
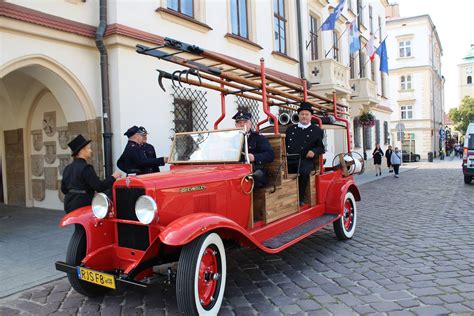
95,277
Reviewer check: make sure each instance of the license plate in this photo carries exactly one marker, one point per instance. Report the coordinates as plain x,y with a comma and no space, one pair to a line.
99,278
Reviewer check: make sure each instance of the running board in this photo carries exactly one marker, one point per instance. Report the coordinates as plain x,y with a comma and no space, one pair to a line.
299,231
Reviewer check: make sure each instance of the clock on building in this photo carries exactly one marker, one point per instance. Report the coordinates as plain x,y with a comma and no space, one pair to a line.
469,70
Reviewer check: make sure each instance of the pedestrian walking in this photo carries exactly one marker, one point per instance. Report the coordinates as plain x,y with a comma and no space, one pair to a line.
80,182
377,154
388,156
396,160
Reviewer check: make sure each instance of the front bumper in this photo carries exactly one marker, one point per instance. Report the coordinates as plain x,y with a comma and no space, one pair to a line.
64,267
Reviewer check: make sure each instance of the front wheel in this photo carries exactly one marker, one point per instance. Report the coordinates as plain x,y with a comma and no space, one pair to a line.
201,276
345,226
467,179
76,251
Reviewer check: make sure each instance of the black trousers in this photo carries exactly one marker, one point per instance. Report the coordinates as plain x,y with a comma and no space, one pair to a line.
306,166
396,167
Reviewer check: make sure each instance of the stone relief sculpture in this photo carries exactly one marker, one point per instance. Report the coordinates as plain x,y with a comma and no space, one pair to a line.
64,160
38,189
37,165
37,139
49,123
51,178
63,137
50,156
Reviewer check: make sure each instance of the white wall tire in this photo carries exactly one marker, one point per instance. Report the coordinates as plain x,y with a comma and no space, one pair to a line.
345,226
201,276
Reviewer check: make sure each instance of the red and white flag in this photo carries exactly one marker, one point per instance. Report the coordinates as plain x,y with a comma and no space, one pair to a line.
370,49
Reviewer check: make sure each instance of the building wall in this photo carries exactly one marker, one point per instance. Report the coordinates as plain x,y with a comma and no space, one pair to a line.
465,69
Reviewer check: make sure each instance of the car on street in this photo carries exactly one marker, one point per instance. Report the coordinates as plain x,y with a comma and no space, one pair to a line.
207,202
410,157
468,154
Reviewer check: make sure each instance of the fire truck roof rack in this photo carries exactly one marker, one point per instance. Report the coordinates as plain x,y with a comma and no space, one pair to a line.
231,76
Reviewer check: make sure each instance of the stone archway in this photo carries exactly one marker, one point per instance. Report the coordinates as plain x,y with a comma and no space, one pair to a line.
45,106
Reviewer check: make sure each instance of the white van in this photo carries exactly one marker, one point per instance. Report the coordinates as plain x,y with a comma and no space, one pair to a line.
468,154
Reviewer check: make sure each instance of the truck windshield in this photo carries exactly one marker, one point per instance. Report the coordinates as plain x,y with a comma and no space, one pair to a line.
470,142
210,146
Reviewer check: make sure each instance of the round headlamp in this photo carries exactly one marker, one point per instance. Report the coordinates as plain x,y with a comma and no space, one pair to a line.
101,205
146,209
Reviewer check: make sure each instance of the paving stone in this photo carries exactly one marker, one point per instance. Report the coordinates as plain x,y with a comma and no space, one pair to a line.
385,306
308,305
429,310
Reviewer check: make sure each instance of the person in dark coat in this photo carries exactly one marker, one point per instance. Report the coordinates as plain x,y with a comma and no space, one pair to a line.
388,156
378,154
304,142
134,157
80,182
259,149
149,150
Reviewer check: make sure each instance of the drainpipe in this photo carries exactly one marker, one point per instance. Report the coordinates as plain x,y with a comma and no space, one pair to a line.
104,78
300,38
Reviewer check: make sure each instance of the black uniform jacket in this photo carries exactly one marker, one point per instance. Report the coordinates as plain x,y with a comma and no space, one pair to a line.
135,160
300,141
79,184
150,153
260,148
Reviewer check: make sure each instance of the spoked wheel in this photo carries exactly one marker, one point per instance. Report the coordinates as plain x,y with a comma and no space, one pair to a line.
76,251
345,226
201,276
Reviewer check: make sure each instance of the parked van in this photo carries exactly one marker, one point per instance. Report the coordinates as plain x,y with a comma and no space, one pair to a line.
468,154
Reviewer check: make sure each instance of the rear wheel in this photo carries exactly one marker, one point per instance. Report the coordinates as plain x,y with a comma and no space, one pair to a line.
345,226
467,179
201,276
76,251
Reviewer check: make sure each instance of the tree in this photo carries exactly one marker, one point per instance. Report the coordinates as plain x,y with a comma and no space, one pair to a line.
462,115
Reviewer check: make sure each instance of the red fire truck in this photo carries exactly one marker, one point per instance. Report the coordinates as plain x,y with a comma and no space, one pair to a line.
207,200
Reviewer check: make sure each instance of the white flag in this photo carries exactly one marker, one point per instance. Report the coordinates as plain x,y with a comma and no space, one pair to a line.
370,48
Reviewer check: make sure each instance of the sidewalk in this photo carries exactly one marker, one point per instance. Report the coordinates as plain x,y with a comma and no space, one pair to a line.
30,242
369,175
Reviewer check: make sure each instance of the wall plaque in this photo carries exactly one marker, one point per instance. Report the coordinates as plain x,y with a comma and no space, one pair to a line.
49,123
38,189
50,156
37,139
63,137
37,165
51,178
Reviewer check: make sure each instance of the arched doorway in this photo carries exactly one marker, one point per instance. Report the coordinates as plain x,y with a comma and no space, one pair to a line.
43,106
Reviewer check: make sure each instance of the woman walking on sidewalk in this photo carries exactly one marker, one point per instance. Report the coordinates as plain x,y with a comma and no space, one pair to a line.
396,160
377,155
388,155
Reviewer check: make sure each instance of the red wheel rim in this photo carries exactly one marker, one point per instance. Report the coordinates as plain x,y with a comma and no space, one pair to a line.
348,215
209,276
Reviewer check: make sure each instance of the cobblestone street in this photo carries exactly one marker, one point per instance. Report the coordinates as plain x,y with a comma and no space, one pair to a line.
412,254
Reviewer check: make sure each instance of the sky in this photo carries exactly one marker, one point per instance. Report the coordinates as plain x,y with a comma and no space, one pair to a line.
454,23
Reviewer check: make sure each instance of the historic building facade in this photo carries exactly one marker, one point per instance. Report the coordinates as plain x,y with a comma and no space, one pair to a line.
51,88
466,75
416,83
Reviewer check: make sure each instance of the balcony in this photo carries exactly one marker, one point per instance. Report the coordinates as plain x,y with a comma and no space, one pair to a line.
328,75
364,92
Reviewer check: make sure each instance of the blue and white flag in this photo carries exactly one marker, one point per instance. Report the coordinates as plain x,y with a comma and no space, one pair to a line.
330,23
354,41
382,52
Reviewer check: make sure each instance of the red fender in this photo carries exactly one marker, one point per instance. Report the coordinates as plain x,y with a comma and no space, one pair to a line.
185,229
103,231
336,193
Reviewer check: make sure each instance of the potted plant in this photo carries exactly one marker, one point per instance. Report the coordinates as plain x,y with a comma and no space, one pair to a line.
367,119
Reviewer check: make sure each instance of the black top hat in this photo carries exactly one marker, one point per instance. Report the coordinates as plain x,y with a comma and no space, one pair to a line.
305,106
77,144
133,130
242,115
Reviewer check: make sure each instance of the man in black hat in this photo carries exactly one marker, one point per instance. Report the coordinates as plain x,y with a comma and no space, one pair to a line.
134,158
259,149
80,182
149,150
304,141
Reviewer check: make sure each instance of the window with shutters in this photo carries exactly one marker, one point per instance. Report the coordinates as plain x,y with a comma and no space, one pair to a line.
385,133
368,138
357,128
377,131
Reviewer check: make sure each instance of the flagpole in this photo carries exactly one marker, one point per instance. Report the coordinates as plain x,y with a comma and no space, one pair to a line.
333,43
375,50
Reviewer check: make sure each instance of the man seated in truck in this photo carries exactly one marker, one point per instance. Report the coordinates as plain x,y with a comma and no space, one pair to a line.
304,142
259,149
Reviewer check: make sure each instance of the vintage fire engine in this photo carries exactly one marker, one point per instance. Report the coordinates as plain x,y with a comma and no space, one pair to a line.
207,200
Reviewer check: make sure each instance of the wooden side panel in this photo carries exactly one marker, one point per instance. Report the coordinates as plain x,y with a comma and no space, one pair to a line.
310,193
272,168
283,202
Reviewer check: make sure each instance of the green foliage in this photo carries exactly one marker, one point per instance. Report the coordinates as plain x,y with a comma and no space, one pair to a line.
367,119
462,115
